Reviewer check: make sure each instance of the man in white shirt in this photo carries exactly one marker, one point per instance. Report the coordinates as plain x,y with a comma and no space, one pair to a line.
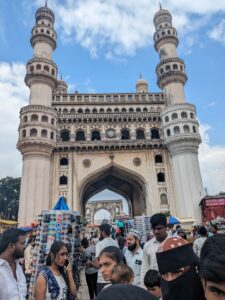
134,254
198,243
12,280
158,223
106,241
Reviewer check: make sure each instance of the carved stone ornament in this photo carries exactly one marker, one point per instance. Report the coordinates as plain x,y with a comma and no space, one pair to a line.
86,163
137,161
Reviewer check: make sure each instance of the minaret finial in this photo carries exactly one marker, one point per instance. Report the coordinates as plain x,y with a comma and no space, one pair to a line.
61,76
141,76
160,6
46,3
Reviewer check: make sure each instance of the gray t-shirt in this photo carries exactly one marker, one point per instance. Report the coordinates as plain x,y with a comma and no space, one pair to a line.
89,253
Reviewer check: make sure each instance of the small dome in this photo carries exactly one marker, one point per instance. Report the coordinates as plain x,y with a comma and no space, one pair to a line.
162,13
141,85
61,86
45,13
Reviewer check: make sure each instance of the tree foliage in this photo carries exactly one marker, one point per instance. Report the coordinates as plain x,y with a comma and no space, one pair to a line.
9,197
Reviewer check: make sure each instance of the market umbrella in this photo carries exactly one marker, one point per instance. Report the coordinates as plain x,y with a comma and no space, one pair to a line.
61,204
173,220
26,228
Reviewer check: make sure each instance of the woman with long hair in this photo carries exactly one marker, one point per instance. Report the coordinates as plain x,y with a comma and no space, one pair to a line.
108,259
55,281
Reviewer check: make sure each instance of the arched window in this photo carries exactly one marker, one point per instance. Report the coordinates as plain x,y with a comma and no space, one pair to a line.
138,109
95,135
101,110
186,128
34,118
65,135
192,115
80,111
183,115
145,109
176,130
140,134
64,161
123,110
72,111
125,134
163,199
168,132
175,67
65,110
116,110
108,110
31,68
63,180
94,111
24,133
33,132
158,159
166,119
52,121
52,135
46,68
167,67
194,129
161,177
38,67
80,136
44,119
25,118
131,109
155,133
44,133
174,116
53,72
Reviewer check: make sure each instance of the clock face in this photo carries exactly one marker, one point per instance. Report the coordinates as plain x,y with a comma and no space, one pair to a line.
110,133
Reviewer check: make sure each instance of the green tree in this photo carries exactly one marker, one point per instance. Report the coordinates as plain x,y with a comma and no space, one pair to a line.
9,197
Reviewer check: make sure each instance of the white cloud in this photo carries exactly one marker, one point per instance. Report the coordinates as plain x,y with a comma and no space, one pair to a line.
218,32
123,26
13,95
212,163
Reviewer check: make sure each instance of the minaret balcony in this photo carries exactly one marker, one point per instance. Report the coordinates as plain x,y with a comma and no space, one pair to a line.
44,37
167,38
171,77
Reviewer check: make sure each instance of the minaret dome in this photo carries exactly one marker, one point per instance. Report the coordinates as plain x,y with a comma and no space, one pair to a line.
141,85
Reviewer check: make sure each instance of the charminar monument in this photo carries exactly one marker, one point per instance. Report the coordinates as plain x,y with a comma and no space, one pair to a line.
140,144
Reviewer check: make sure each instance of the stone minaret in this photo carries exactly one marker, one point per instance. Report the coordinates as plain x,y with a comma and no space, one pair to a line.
37,130
179,123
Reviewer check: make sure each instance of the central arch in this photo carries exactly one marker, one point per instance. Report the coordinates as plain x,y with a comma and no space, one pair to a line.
122,181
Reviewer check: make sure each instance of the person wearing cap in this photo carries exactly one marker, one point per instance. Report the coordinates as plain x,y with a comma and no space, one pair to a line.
212,267
178,268
134,254
106,241
158,222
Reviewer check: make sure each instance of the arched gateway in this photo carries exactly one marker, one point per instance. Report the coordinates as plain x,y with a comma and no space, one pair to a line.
141,144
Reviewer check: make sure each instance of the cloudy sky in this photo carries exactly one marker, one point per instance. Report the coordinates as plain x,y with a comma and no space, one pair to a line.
103,46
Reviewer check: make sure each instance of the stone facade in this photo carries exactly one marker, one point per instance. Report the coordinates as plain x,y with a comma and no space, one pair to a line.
142,145
114,207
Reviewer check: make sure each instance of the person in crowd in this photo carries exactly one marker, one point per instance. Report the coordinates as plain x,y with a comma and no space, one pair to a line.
124,292
108,259
152,283
55,282
12,279
28,259
212,267
91,273
106,241
84,243
181,232
122,274
214,229
198,243
134,254
121,242
158,223
178,268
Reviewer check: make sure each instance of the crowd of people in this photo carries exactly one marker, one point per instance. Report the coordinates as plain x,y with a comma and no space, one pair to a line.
167,267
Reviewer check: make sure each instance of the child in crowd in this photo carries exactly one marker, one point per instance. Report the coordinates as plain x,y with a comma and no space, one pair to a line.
152,283
122,274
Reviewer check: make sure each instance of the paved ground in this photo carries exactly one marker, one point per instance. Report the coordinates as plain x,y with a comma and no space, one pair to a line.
83,294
